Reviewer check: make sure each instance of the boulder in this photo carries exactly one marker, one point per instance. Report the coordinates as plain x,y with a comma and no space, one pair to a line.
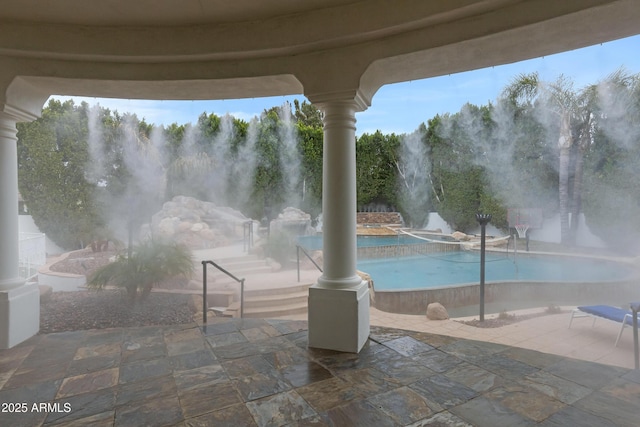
198,226
436,311
367,278
166,226
460,236
184,226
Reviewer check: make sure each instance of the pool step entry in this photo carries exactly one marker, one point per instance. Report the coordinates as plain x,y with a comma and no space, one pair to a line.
267,302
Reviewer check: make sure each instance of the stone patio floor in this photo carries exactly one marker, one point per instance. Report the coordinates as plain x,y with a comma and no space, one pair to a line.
254,372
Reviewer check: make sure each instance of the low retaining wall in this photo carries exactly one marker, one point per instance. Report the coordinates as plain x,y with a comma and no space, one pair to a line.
378,218
506,296
60,282
392,251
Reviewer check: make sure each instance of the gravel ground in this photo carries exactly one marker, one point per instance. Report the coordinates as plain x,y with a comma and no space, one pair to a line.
73,311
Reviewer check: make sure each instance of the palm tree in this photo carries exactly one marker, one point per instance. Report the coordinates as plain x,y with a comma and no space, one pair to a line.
148,264
560,99
588,109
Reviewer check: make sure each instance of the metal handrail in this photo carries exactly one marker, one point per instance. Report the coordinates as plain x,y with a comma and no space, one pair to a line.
247,238
298,249
204,289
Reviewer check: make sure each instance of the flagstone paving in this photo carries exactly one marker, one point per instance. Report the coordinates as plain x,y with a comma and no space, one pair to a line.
253,372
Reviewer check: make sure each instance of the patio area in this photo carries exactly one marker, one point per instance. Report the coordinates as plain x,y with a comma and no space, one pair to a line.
244,372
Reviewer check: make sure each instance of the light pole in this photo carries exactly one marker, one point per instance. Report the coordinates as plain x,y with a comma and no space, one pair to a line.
483,219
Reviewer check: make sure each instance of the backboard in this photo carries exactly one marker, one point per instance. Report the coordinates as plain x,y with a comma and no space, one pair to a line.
521,216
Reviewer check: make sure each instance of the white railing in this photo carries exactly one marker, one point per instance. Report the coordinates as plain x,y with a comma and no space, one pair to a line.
32,253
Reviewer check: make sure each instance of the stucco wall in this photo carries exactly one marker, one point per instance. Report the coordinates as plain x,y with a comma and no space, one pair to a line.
506,296
26,225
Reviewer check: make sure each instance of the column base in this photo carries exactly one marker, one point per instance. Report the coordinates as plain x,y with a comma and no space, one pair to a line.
19,314
339,318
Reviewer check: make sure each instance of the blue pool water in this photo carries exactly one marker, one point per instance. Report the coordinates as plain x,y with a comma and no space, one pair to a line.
444,269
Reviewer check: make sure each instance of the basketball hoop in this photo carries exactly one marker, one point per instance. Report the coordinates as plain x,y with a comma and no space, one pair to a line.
522,230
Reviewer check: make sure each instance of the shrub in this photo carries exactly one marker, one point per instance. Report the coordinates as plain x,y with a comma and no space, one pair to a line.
150,263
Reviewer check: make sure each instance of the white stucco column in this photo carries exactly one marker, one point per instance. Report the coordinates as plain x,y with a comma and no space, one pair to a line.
9,277
19,302
339,302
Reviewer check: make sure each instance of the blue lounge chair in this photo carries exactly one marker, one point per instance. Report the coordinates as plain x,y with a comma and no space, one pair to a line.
620,315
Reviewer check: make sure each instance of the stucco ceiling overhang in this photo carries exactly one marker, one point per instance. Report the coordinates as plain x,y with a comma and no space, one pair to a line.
216,49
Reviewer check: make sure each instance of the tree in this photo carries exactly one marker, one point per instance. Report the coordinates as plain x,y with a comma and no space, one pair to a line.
307,114
311,151
412,166
458,153
52,159
376,175
268,186
135,187
611,160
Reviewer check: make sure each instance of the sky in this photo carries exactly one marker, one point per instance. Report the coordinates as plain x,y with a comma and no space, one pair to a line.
402,107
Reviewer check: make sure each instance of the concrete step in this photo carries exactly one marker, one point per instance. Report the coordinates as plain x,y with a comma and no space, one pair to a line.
285,290
276,311
275,300
239,271
232,310
268,303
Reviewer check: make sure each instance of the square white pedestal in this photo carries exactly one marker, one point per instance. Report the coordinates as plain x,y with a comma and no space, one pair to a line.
19,314
339,318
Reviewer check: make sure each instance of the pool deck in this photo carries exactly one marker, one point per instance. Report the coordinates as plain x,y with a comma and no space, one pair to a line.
548,334
255,372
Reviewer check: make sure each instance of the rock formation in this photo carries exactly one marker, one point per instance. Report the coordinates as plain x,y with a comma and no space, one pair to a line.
292,221
198,224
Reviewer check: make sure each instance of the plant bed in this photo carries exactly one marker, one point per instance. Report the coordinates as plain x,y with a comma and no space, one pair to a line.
74,311
504,319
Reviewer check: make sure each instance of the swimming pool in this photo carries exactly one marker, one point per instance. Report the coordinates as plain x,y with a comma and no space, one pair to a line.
408,284
460,267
